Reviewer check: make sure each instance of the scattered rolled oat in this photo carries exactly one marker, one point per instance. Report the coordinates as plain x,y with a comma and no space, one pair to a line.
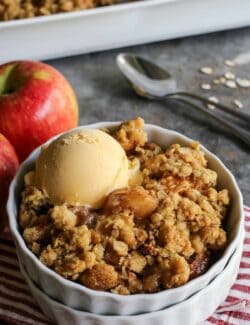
213,99
238,103
229,75
230,84
216,81
210,106
228,79
222,80
206,86
206,70
243,83
229,63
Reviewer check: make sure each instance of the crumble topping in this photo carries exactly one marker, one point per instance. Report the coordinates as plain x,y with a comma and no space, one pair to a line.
160,232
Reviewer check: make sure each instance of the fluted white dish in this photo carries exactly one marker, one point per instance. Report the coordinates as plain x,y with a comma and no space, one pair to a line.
189,312
82,298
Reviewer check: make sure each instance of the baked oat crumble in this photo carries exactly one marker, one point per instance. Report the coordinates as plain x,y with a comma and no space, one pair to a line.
18,9
162,231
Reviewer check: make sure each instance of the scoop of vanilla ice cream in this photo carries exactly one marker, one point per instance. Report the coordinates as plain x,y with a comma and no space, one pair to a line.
82,168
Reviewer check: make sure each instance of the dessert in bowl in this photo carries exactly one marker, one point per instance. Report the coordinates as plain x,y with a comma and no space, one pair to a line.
157,229
173,315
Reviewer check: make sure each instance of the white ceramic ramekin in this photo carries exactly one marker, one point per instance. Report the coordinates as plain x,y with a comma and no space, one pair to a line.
77,296
189,312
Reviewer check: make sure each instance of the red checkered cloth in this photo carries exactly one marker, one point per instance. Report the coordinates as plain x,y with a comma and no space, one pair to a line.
18,307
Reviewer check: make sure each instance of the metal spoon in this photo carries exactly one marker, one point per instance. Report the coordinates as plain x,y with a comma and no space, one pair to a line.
151,81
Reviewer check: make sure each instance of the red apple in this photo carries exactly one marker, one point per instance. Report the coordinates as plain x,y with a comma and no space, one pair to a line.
36,103
8,166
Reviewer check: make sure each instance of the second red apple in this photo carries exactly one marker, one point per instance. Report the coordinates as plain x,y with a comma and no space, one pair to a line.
8,166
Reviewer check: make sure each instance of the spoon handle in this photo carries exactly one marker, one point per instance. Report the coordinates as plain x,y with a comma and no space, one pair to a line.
241,115
228,126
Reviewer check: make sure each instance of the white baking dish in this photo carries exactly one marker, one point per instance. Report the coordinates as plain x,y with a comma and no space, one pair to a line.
115,26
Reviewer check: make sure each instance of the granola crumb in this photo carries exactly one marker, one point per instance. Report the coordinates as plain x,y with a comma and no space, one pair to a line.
101,277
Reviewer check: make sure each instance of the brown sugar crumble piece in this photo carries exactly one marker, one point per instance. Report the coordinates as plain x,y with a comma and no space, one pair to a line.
101,277
153,235
63,218
131,134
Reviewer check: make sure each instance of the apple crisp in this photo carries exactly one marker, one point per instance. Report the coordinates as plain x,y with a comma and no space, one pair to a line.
166,228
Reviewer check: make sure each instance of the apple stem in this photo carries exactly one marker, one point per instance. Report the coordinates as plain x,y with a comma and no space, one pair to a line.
5,78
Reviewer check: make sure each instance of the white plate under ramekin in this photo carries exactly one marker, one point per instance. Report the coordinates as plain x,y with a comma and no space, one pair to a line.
82,298
189,312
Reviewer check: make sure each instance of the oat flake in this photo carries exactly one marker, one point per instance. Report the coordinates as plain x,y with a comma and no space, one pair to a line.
206,86
230,84
229,75
238,103
229,63
210,106
213,99
206,70
243,83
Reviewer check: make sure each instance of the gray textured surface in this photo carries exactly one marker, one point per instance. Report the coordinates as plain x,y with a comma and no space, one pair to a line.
104,95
